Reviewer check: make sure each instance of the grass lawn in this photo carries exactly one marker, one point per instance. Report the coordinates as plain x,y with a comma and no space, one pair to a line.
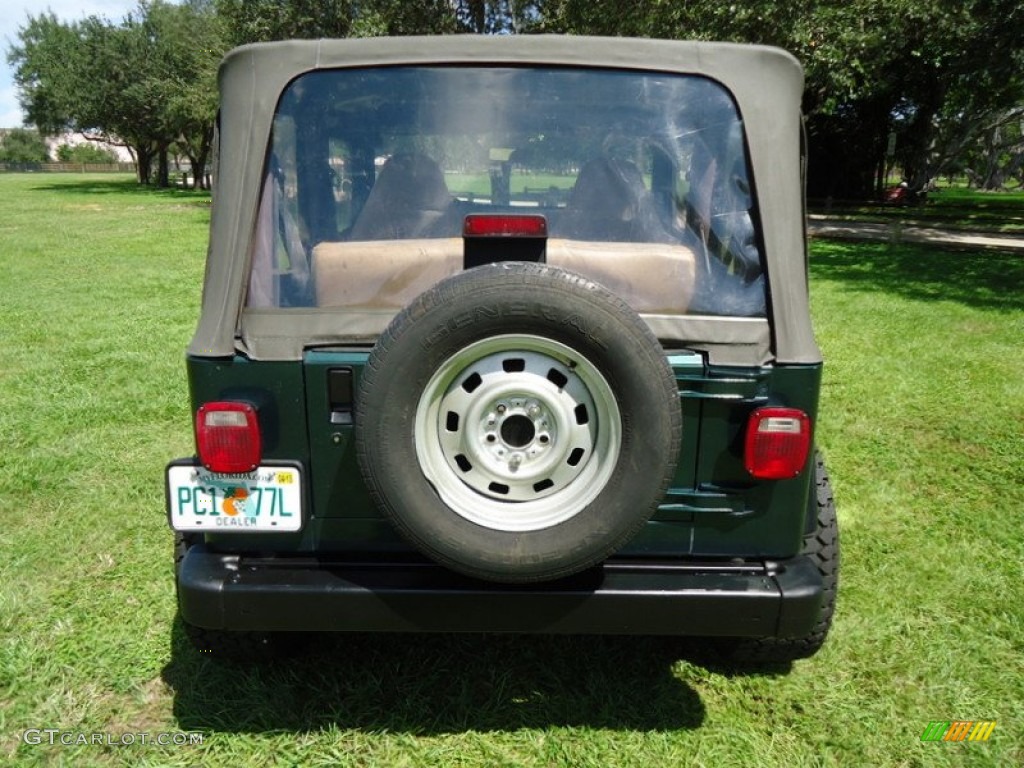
521,184
922,426
956,208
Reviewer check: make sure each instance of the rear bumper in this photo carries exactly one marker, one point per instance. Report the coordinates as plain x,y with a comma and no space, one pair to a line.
224,591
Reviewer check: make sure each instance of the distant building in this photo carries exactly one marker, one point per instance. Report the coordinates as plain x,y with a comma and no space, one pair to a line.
74,139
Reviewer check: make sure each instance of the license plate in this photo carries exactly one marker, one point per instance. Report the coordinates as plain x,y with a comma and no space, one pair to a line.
266,499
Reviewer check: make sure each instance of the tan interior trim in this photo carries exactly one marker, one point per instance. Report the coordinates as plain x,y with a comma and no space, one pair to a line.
653,278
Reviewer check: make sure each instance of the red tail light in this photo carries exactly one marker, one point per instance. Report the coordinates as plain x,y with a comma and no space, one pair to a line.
228,437
778,440
504,225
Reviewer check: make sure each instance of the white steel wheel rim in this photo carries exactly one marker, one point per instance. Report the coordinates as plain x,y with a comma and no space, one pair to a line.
517,432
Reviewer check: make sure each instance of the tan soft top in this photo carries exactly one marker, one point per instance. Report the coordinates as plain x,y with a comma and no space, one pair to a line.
766,83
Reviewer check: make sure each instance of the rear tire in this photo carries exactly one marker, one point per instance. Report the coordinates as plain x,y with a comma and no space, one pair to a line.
822,546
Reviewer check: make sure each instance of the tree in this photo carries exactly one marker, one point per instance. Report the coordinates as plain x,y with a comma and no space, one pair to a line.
46,72
81,77
185,44
144,83
936,74
261,20
21,145
988,151
873,67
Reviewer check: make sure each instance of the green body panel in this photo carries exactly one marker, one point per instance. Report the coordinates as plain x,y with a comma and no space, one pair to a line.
337,487
757,518
712,508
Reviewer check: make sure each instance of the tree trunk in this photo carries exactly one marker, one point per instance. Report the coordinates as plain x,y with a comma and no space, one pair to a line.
918,138
163,174
198,163
144,164
202,158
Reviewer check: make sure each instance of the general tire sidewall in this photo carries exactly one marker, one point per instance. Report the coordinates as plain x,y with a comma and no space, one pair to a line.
522,300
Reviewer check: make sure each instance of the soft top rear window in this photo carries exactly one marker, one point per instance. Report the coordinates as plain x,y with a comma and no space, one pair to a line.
641,177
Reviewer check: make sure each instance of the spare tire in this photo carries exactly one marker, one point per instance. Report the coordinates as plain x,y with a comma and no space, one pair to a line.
517,422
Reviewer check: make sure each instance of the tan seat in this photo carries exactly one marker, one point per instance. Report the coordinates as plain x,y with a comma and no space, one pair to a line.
408,200
652,278
381,274
609,203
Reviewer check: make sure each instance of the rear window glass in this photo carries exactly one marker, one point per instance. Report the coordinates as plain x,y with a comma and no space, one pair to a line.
642,179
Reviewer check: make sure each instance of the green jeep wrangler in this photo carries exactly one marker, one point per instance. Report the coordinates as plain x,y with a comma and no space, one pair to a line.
506,334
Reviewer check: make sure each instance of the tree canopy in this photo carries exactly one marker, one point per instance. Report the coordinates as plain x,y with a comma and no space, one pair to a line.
147,83
874,68
930,86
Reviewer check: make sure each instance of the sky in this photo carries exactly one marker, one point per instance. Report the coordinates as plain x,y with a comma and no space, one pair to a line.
14,14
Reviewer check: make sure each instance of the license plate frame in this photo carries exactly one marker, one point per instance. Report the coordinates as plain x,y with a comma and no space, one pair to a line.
267,500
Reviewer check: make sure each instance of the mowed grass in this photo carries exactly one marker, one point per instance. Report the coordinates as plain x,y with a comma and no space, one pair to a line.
948,207
921,422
